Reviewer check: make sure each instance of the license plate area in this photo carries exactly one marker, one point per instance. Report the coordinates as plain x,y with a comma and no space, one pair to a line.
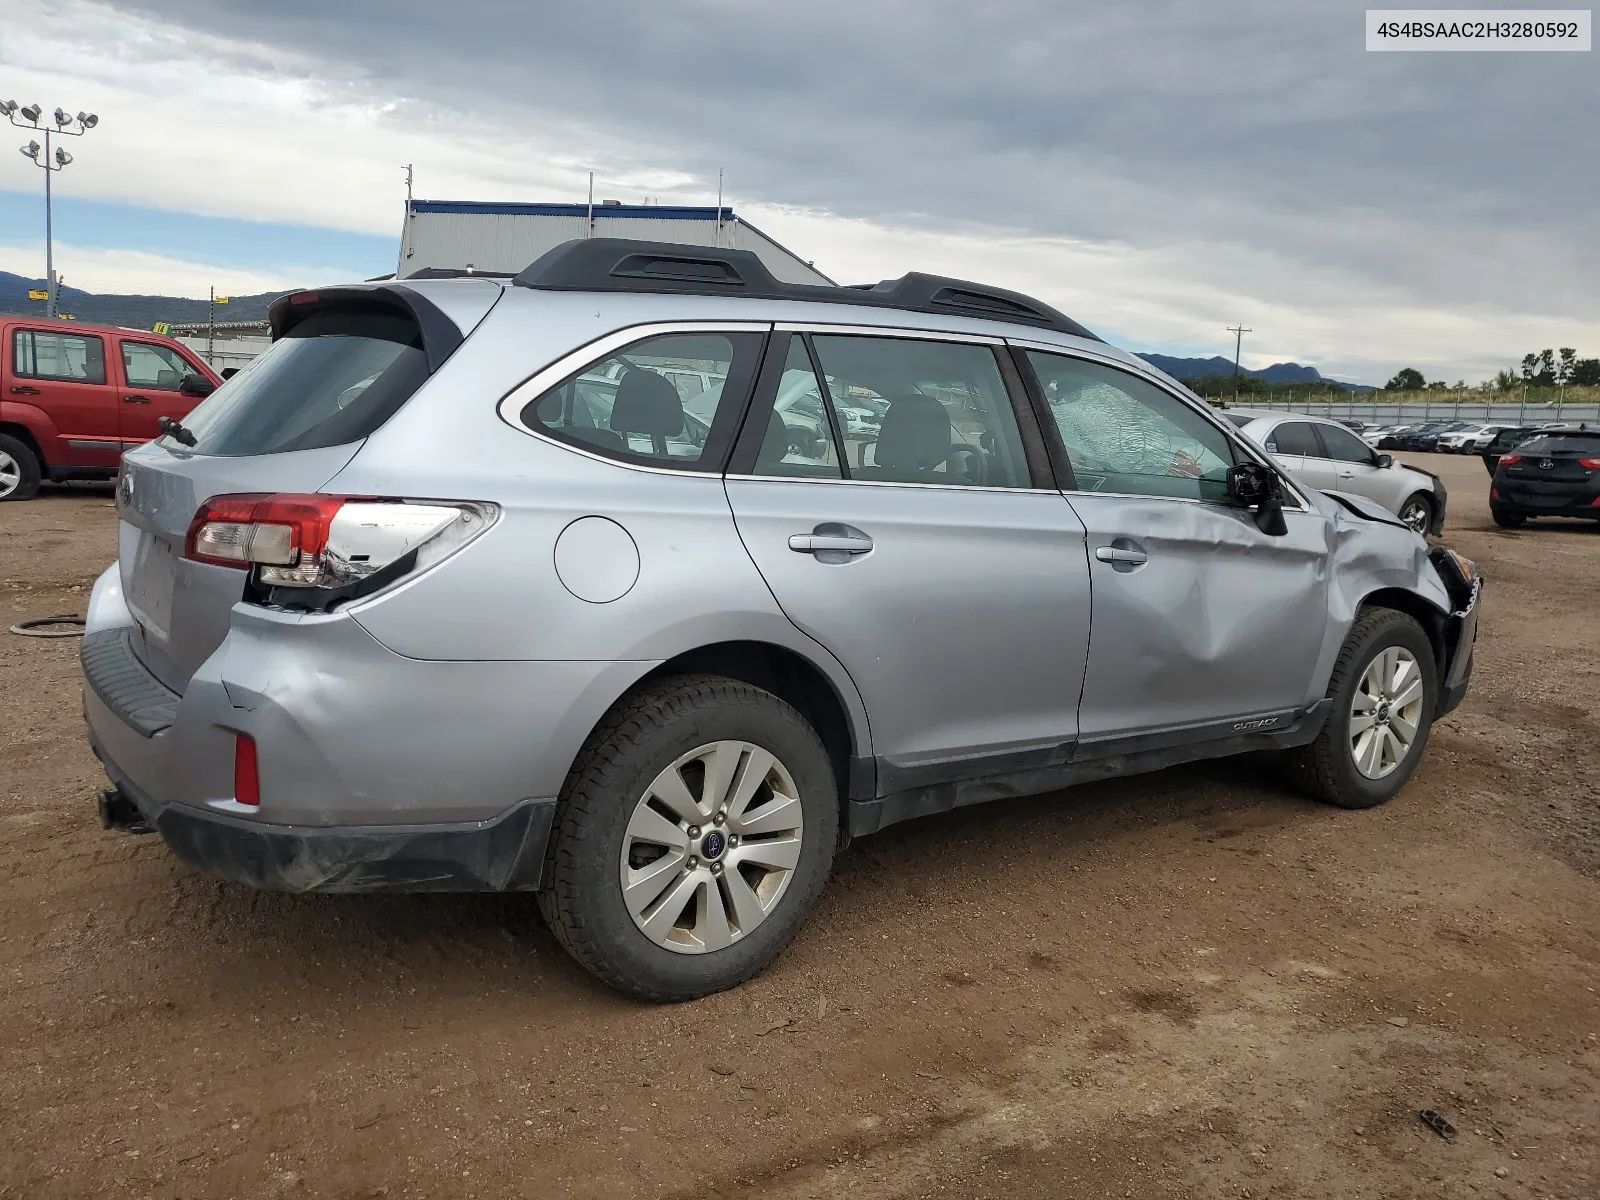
150,582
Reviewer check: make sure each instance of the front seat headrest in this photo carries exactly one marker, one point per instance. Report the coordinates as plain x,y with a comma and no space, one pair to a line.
647,403
914,434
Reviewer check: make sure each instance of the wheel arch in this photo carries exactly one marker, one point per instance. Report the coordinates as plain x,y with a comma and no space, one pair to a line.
798,682
23,434
1426,613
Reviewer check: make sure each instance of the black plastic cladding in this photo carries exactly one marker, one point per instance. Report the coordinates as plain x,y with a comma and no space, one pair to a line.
441,337
620,265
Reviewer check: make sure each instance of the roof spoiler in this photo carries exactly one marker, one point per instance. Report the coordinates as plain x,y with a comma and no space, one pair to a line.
622,265
441,336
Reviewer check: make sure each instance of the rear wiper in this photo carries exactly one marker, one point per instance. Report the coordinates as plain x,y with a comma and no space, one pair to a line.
173,428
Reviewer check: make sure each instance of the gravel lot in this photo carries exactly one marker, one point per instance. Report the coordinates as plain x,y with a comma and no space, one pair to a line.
1185,984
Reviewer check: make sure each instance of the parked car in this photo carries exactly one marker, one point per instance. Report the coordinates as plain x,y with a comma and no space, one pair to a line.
1326,455
1427,438
444,638
73,397
1555,473
1469,439
1393,439
1506,439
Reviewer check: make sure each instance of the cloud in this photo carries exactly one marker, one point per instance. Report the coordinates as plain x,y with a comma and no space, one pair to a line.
95,269
1156,169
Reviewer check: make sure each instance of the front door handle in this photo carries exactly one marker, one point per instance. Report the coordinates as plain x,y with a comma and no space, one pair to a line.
1347,474
136,399
1124,554
24,391
811,543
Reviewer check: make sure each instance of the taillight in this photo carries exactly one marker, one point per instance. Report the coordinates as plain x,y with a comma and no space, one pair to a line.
1589,464
1510,460
246,773
316,550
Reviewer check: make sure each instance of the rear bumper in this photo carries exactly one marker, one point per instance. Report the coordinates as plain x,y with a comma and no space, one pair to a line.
1534,504
506,854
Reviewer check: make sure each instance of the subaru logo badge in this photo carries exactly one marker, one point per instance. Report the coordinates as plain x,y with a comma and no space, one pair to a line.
125,487
713,845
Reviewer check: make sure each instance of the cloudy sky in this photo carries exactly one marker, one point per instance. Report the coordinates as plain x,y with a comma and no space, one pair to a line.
1159,171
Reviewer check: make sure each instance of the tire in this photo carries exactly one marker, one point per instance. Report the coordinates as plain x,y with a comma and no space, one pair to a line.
1326,769
650,733
19,470
1507,519
1417,511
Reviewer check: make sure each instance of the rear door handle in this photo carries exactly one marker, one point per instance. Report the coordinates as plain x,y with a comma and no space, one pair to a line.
24,391
1124,554
811,543
136,399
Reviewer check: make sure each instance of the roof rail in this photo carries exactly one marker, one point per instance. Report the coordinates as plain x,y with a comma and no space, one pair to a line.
623,265
450,273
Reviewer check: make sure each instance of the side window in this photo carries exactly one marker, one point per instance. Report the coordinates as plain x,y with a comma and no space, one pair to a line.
798,439
1294,437
1125,435
921,411
1344,446
153,368
69,357
659,400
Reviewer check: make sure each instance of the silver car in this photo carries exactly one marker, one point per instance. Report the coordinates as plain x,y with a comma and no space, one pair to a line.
1327,456
446,591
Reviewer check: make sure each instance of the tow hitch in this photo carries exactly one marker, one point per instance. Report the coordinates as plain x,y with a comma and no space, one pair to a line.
118,812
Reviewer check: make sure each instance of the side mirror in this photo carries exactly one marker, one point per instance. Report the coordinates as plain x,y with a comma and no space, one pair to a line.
228,373
1385,460
196,385
1253,486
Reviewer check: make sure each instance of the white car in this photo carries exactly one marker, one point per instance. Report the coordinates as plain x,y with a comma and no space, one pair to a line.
1471,440
1328,457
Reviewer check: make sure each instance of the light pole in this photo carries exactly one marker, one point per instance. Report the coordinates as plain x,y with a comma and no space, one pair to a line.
51,163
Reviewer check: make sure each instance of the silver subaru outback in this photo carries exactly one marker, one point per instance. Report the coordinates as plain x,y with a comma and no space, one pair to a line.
599,583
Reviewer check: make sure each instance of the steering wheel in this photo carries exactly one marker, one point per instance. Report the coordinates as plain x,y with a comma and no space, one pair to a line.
977,472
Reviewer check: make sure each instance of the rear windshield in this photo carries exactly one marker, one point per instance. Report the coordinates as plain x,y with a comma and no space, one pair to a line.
332,379
1562,443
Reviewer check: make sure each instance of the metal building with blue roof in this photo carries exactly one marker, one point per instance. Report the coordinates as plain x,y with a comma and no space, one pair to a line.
492,236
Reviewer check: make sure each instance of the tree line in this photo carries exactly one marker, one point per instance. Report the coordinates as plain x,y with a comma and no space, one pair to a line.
1544,368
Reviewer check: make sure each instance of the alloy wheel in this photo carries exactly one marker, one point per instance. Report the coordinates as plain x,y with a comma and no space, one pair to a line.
1386,712
10,474
1415,515
711,847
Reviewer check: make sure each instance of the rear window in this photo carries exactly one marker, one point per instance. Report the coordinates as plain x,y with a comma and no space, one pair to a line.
1562,443
334,378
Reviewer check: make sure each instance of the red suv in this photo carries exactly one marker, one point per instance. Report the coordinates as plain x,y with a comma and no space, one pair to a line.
74,397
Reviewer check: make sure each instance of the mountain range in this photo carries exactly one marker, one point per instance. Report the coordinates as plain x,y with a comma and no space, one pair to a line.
1209,368
133,312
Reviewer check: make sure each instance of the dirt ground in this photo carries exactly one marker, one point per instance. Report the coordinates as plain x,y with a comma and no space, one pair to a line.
1186,984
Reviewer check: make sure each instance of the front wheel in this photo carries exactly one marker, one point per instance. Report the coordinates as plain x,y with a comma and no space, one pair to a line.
692,838
1383,694
1417,513
19,470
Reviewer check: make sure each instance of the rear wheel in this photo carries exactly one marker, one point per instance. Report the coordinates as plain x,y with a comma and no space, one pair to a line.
19,470
692,840
1383,694
1417,513
1507,520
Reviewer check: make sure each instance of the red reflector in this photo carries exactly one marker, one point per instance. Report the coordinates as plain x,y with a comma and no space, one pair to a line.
246,776
1507,460
1494,493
